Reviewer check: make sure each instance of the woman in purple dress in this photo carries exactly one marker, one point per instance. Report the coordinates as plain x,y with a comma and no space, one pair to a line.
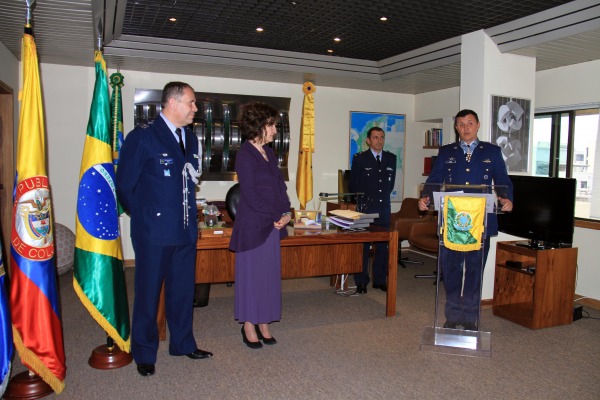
262,215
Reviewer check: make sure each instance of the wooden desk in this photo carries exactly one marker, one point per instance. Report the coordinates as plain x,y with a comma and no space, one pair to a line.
303,254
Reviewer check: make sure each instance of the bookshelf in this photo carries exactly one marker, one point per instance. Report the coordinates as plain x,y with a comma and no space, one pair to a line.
433,141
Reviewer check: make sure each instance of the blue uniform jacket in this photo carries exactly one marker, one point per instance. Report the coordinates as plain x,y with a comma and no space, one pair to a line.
263,198
150,185
486,167
366,177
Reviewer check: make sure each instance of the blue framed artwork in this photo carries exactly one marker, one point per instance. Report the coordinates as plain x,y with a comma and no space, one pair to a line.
394,126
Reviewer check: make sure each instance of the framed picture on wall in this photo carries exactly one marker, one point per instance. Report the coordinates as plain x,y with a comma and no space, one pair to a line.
394,126
510,124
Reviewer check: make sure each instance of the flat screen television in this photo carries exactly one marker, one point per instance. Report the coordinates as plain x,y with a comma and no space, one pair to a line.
543,211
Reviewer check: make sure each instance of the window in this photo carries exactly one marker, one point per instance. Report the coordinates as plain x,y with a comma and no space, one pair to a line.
567,144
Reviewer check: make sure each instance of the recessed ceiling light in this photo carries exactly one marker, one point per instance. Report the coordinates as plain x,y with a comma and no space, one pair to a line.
337,39
173,19
259,29
330,51
383,19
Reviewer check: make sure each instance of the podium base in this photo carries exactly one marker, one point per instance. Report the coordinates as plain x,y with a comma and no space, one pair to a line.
27,386
109,358
457,342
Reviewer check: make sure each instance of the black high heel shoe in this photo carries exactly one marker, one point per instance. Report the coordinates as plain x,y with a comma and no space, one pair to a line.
252,345
265,340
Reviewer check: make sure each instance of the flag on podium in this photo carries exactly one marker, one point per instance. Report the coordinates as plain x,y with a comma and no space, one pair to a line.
304,178
6,339
98,276
35,310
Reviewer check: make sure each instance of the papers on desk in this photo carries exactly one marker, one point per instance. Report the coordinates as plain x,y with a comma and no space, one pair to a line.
349,219
354,215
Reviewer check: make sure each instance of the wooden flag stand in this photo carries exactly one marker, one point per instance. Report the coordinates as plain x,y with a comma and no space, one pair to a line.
109,356
27,385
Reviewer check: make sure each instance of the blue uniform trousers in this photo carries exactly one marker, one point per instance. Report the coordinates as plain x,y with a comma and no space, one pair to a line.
176,265
381,253
462,302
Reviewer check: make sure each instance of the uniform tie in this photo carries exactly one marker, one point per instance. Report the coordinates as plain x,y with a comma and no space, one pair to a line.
378,161
178,132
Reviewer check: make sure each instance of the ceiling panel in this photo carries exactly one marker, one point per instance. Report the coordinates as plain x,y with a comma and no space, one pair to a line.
375,55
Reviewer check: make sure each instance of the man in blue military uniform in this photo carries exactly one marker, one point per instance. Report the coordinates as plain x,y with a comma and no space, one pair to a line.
373,172
467,162
158,169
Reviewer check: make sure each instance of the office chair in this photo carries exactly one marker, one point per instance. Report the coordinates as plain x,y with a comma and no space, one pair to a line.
232,199
408,215
423,236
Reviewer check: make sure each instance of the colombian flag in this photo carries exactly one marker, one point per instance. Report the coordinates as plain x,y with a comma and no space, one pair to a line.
98,276
6,339
35,311
464,222
304,178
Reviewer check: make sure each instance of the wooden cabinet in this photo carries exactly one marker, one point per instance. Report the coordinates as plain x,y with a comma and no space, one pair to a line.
534,288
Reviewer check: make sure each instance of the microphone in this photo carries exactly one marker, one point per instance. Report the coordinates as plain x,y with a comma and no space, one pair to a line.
341,194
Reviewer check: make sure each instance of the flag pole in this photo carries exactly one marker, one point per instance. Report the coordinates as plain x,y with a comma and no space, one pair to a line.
27,384
108,356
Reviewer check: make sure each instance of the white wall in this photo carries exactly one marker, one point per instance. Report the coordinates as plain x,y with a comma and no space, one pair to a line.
575,84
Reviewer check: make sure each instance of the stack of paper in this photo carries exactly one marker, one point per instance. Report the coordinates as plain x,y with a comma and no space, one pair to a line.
349,219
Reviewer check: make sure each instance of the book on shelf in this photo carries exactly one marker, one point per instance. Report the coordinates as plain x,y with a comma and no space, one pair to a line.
427,165
433,137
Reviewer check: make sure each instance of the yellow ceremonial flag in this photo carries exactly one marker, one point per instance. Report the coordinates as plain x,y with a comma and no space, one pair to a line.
34,301
304,179
464,218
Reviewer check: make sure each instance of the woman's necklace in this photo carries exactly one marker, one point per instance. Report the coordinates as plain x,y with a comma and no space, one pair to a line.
261,150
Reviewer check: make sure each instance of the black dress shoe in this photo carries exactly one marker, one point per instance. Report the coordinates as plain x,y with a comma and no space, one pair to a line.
265,340
145,369
450,324
361,288
382,287
199,354
252,345
470,326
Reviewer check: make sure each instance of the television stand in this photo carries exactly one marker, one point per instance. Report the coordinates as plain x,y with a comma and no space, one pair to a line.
531,244
541,293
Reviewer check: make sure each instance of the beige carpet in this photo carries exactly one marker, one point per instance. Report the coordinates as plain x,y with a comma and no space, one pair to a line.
333,347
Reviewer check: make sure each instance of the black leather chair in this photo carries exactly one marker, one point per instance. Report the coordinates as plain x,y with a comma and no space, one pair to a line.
232,200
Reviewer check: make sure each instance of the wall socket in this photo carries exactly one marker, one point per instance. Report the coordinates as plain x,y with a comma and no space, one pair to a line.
577,313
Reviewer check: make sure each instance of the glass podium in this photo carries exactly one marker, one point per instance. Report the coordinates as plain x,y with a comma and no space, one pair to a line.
463,212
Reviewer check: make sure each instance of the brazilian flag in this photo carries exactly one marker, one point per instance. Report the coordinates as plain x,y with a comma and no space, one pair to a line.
99,279
463,222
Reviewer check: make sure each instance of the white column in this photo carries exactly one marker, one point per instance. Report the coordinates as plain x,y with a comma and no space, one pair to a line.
484,72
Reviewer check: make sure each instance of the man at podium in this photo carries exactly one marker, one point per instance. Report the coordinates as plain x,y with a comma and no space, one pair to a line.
469,161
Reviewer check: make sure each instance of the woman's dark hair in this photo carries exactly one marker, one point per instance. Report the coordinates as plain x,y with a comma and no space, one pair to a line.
255,117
